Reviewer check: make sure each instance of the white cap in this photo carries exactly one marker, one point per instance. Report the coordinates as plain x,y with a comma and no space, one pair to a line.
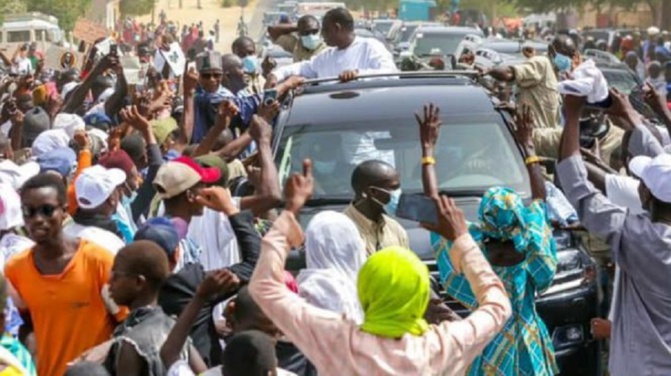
70,123
49,140
15,175
655,174
10,208
653,30
67,88
95,185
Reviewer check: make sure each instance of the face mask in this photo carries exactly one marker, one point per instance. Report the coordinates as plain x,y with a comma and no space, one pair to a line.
394,197
562,62
126,201
249,64
311,41
325,167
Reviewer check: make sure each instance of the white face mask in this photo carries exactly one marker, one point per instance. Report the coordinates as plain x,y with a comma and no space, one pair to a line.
311,41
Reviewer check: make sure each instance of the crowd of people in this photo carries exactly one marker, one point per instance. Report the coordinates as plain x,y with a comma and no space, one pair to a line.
144,231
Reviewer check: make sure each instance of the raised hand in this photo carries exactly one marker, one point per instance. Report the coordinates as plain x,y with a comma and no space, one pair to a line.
298,189
260,129
217,198
190,81
348,75
82,139
268,65
217,282
269,112
429,125
451,221
654,99
524,125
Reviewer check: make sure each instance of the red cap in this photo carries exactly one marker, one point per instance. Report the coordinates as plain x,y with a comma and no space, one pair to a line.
118,159
207,175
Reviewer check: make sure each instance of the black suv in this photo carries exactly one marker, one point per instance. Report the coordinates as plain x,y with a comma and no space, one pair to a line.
341,125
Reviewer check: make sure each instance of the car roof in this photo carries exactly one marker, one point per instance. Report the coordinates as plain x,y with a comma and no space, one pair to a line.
431,29
371,100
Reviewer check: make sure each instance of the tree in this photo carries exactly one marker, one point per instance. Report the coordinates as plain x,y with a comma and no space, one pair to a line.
136,7
67,11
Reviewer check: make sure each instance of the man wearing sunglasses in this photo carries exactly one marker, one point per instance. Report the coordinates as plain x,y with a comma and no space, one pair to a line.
59,282
302,40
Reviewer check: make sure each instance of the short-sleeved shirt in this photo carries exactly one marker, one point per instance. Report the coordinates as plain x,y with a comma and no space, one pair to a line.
68,312
537,85
378,235
292,43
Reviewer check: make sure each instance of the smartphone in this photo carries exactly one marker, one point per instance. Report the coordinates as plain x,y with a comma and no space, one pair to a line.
418,208
269,96
114,50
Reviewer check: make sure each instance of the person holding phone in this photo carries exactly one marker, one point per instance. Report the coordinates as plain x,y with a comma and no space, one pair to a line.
517,241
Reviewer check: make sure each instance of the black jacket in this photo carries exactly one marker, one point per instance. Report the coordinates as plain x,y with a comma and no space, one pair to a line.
181,287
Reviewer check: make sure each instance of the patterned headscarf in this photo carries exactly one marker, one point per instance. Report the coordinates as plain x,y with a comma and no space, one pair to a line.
503,216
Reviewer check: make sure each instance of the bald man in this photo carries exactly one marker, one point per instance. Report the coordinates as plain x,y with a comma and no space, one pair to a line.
377,189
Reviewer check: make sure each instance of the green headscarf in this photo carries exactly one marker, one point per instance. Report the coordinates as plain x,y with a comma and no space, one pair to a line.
393,287
163,128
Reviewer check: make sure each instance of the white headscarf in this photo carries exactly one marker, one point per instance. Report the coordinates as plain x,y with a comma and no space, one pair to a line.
334,254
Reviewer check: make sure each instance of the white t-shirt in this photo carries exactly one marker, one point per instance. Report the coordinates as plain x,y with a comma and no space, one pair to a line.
103,238
367,55
11,244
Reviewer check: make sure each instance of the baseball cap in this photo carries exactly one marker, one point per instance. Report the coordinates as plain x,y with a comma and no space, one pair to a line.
10,208
655,174
162,231
653,30
118,159
70,123
95,185
15,175
180,174
61,160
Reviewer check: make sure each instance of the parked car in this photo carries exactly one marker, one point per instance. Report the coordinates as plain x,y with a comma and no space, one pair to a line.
367,33
400,33
501,46
379,124
383,25
429,41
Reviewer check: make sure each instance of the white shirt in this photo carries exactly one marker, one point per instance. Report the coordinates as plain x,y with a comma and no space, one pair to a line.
22,66
11,244
367,55
588,81
622,191
103,238
213,232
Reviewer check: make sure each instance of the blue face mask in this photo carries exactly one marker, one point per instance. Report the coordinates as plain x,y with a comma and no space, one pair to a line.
126,201
394,197
562,62
311,41
250,64
324,168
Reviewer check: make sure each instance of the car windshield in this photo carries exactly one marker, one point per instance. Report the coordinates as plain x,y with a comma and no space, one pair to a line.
383,26
623,80
467,162
447,43
406,32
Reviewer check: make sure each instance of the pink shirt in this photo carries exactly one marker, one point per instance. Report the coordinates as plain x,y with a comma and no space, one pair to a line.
336,346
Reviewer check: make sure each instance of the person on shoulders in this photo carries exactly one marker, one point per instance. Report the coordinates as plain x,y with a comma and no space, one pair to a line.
347,57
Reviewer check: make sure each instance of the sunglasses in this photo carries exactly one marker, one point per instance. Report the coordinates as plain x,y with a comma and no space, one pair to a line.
207,76
44,210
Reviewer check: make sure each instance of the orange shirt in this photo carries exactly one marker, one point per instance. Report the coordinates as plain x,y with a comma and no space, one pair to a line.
68,312
85,160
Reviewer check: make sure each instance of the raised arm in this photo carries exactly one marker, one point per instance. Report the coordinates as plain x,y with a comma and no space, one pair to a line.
79,94
470,336
275,32
189,84
596,212
524,136
215,283
429,131
267,195
225,112
115,102
506,74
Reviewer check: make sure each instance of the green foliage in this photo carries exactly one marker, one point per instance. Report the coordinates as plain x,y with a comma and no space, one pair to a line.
136,7
67,11
226,3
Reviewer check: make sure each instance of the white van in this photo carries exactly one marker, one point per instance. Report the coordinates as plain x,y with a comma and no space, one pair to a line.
18,29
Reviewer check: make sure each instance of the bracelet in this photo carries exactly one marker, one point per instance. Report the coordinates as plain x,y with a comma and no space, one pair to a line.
428,160
532,160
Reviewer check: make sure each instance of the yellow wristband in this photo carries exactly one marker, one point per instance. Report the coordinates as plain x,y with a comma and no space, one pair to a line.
532,160
428,160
